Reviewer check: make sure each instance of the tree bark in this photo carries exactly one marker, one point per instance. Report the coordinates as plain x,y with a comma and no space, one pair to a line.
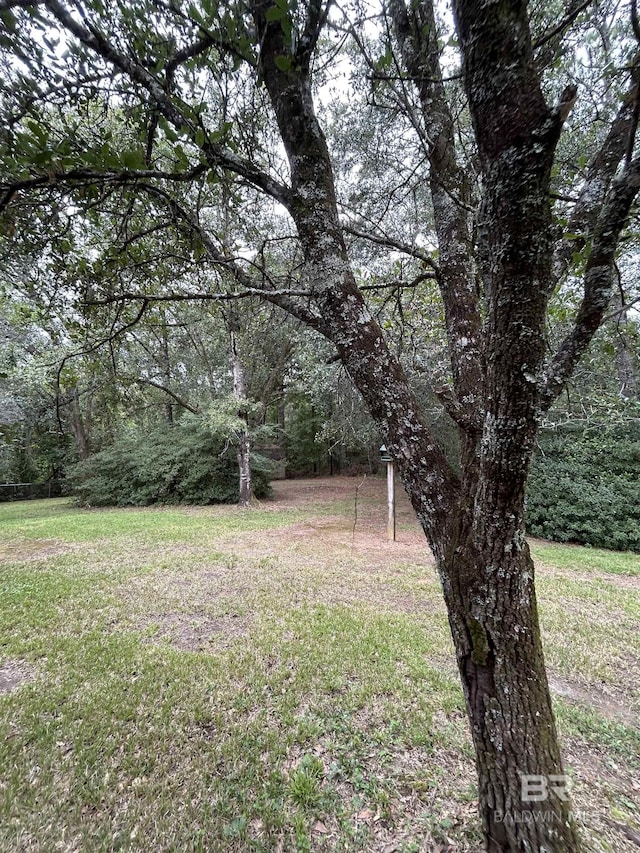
244,443
490,596
627,379
165,366
79,426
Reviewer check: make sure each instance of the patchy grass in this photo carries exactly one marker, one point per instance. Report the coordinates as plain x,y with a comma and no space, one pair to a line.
277,680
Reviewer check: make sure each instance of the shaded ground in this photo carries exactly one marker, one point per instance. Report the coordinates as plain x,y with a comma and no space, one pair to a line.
344,541
290,666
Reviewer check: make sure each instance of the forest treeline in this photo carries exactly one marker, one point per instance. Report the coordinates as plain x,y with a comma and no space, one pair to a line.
152,419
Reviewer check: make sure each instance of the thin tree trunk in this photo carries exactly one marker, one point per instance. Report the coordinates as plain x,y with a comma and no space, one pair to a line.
165,365
244,445
627,379
79,427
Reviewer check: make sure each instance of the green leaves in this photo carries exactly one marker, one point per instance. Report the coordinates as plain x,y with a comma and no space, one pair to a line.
281,13
132,159
284,63
276,13
191,462
39,131
8,19
585,488
181,159
196,15
168,130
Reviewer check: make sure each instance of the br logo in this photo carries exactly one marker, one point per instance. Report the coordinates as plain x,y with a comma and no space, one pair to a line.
537,789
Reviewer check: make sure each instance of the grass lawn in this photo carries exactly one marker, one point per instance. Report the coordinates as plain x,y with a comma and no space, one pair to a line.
282,679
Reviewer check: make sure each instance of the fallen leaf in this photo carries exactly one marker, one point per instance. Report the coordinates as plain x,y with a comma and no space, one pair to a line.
365,815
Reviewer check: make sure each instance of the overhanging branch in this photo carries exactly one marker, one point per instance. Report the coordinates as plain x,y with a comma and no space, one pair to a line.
617,145
88,176
176,112
392,243
598,282
204,296
195,410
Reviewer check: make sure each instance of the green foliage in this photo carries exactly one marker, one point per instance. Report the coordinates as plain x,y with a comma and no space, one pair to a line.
186,463
305,783
306,452
585,488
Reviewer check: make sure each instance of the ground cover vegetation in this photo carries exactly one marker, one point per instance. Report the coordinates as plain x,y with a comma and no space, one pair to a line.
209,679
444,196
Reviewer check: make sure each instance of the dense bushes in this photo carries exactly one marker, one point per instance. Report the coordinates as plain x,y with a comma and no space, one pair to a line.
585,488
186,463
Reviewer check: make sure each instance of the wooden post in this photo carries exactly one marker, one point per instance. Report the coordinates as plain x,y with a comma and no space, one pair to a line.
391,502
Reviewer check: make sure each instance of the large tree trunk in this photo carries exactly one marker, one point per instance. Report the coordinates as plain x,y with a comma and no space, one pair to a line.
492,609
474,525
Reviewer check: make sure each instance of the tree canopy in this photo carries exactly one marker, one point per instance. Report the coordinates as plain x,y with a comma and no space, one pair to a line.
329,160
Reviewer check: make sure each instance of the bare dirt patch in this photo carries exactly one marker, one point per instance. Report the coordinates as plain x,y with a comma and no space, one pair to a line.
22,550
333,557
604,703
196,633
315,492
13,674
356,528
366,500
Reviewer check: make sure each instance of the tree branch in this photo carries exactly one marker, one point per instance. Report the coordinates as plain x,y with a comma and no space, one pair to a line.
204,296
195,410
600,173
620,311
114,333
316,19
84,176
178,114
634,19
417,34
392,243
7,5
598,282
398,284
572,11
282,298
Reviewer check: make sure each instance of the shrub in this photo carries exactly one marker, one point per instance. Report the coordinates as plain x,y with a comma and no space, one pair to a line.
585,488
185,463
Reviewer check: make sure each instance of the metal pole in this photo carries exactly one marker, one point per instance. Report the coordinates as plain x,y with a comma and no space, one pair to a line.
391,503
